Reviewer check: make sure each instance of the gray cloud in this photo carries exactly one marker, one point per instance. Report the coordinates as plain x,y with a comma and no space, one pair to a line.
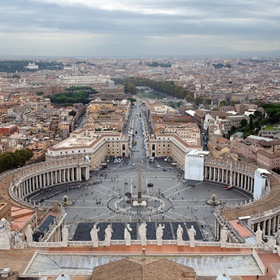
141,22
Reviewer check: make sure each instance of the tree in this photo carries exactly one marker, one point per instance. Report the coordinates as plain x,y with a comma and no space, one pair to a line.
251,125
72,113
130,88
12,160
198,100
132,100
243,122
223,103
232,130
171,104
165,87
257,114
207,101
7,161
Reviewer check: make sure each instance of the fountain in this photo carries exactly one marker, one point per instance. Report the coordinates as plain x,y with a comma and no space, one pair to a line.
213,201
65,201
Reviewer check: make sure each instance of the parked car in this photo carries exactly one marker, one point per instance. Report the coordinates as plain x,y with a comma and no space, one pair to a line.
228,187
150,185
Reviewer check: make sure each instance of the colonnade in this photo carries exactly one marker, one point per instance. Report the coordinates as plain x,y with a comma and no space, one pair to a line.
34,178
270,225
43,180
241,175
230,177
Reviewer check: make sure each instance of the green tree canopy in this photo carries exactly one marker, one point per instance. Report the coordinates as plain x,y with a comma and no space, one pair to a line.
243,122
11,160
130,88
72,113
166,87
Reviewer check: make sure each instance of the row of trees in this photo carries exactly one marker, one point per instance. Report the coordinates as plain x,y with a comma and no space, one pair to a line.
256,121
13,66
15,159
159,64
168,88
273,113
72,95
81,88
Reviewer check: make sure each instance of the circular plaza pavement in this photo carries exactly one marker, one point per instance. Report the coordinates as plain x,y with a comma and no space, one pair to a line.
171,198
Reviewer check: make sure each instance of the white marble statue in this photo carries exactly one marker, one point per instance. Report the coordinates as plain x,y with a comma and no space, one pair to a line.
18,243
159,234
127,235
7,226
108,235
180,235
224,236
65,235
94,235
259,236
143,233
29,234
5,235
192,233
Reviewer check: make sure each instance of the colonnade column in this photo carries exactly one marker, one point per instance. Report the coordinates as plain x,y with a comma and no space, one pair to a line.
40,181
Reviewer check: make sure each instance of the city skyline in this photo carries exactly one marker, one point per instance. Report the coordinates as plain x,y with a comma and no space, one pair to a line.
138,28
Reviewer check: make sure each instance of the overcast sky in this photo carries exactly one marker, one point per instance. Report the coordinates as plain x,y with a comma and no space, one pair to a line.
138,27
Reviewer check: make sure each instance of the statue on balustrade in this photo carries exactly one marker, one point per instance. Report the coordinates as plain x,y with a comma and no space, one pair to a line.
224,236
29,234
18,243
143,233
65,235
108,235
159,234
192,233
94,235
180,231
127,235
5,234
259,236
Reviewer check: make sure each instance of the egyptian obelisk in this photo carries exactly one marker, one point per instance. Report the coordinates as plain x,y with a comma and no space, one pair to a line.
139,185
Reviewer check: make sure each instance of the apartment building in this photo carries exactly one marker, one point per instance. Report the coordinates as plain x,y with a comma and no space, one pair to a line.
94,145
107,115
169,145
8,130
264,151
